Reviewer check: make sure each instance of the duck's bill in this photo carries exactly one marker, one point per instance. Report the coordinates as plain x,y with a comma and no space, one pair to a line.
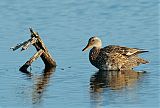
86,48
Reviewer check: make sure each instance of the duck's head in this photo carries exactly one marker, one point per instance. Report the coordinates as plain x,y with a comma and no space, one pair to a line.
93,42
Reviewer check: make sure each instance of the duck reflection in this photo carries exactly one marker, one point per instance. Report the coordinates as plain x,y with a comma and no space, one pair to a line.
113,79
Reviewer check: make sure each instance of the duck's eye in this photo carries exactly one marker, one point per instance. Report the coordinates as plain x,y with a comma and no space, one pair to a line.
93,40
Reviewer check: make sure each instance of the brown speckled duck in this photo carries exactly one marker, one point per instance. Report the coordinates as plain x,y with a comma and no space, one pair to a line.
113,57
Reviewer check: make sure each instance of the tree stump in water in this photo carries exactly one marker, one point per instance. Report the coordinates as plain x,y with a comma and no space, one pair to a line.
42,51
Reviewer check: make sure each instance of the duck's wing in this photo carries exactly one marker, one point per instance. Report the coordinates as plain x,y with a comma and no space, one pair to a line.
124,62
123,50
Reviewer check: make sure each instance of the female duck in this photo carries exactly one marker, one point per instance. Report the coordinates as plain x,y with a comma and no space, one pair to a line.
113,57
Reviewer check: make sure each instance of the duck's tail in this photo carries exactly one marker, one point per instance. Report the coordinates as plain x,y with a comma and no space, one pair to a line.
142,61
138,59
135,61
141,51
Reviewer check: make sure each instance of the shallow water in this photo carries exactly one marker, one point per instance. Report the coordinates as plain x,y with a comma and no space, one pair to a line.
65,27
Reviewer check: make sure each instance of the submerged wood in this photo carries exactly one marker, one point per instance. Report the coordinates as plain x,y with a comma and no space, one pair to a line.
42,51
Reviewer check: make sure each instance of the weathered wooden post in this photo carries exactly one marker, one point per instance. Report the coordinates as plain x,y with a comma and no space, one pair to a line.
42,51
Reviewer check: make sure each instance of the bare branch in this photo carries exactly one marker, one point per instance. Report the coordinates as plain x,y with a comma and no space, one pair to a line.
35,56
18,45
30,42
32,59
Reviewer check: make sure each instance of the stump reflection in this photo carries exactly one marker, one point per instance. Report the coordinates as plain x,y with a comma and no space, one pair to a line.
40,85
113,79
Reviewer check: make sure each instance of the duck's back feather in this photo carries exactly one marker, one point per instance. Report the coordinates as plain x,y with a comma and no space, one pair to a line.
123,50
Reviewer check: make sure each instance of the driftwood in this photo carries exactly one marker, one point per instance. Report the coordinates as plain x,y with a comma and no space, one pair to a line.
42,51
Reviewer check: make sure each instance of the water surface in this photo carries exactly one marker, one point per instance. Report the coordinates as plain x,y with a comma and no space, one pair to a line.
65,27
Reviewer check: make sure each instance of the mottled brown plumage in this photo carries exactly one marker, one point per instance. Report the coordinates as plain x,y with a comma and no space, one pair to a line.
113,57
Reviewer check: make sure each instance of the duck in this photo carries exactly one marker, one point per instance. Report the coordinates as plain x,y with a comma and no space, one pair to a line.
113,57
